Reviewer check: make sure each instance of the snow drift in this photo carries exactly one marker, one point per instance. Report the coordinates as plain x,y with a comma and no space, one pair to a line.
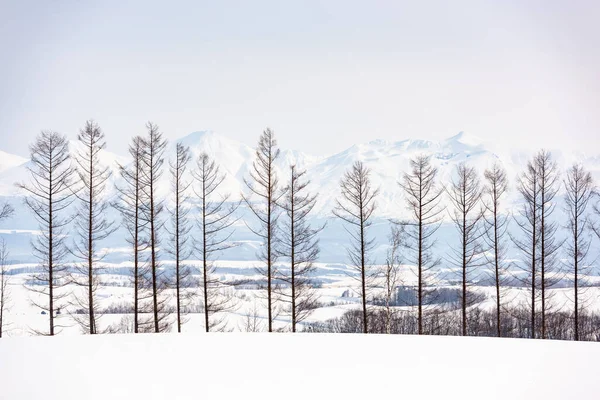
295,366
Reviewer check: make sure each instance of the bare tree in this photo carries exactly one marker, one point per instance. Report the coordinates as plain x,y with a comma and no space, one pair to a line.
356,208
180,227
465,194
252,321
528,243
496,225
6,211
579,187
152,159
298,242
423,198
5,297
391,273
131,206
538,186
91,224
48,195
216,216
264,183
548,178
595,225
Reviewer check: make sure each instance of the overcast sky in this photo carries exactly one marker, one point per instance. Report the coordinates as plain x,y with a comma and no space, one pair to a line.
324,75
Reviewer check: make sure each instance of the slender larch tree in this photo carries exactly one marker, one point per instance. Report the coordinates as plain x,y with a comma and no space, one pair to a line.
48,195
355,207
579,189
298,244
548,178
180,228
216,216
153,160
263,184
496,225
528,242
423,200
130,204
467,214
91,224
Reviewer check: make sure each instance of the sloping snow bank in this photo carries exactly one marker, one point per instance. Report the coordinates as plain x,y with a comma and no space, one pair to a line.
295,366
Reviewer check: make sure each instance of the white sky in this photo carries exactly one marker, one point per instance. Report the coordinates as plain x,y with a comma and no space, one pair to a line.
324,75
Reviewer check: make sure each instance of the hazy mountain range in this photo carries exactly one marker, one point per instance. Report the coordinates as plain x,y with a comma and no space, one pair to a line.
388,160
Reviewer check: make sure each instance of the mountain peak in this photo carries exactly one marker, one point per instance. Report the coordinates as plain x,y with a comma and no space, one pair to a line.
199,136
465,139
8,160
379,142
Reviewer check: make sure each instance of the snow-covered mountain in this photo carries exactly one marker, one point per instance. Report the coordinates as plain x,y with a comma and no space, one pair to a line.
9,164
8,161
235,158
17,168
387,160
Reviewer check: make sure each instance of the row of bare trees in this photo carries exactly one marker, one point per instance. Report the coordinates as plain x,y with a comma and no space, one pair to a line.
57,182
481,217
444,321
281,220
291,238
142,209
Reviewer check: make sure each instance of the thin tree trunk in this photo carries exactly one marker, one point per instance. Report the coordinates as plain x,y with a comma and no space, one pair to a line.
293,252
177,256
420,256
497,262
269,238
533,258
204,256
363,272
464,269
576,276
136,249
50,255
90,243
153,242
543,261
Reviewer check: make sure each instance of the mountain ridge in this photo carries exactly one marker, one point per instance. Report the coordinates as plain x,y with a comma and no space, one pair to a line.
386,159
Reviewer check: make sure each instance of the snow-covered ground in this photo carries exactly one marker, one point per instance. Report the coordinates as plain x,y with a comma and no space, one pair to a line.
295,366
338,293
336,296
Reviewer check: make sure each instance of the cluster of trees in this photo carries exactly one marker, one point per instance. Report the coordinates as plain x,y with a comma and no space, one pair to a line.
62,181
6,211
281,214
447,321
476,210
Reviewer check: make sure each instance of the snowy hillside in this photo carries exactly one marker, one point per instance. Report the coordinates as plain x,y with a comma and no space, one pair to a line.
8,161
235,158
106,159
323,366
16,170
